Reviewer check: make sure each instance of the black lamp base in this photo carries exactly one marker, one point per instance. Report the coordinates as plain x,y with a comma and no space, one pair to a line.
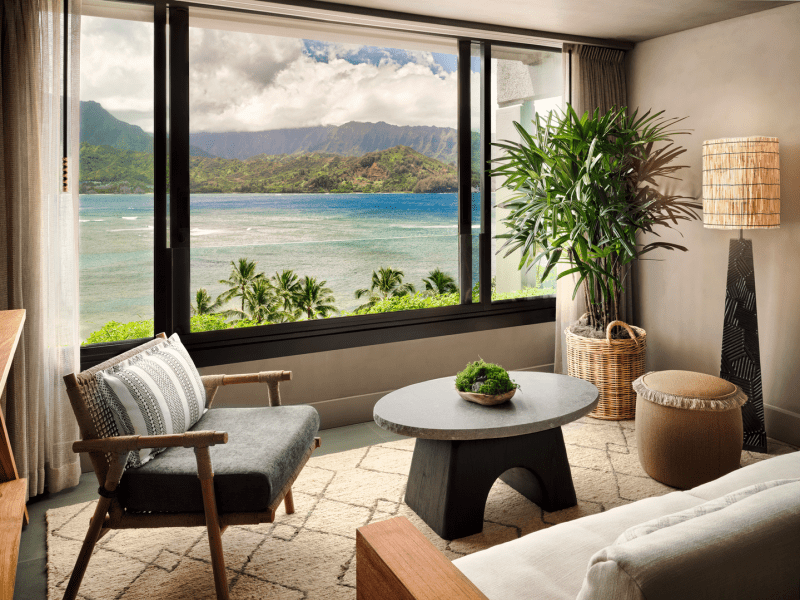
741,360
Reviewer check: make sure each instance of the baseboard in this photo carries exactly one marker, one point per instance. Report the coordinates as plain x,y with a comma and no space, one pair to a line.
339,412
782,424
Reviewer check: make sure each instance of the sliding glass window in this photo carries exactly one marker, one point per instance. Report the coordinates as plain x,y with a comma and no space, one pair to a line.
323,176
327,183
526,85
116,173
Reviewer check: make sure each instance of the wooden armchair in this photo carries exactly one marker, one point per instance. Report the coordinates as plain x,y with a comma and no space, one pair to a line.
197,498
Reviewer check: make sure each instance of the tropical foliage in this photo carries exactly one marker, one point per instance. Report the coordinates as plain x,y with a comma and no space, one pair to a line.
386,283
286,297
314,299
203,305
243,275
439,282
585,186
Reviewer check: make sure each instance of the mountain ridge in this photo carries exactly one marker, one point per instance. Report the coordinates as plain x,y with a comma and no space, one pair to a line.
399,169
353,138
100,128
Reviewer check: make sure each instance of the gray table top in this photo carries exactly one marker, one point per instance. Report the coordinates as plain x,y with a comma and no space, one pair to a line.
434,410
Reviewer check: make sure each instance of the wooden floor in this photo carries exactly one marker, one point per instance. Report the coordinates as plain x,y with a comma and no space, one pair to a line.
31,581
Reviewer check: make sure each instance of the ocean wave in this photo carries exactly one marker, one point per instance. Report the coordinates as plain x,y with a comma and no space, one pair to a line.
424,226
130,218
147,228
197,231
430,226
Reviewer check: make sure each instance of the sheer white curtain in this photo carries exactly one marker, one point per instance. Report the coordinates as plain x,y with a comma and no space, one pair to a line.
39,241
593,78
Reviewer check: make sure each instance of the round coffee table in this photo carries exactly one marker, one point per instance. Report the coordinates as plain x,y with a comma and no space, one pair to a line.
463,447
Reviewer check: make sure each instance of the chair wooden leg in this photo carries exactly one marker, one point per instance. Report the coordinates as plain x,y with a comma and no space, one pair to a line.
94,534
288,502
96,529
206,476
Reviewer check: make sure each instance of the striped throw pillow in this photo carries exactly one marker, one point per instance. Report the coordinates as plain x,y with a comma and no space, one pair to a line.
156,392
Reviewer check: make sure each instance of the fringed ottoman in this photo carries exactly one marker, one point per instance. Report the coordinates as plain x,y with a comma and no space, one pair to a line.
688,426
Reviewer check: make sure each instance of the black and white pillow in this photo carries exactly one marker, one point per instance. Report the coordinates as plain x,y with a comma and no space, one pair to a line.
156,392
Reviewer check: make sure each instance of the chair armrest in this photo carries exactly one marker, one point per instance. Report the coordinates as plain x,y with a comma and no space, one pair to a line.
262,377
394,561
128,443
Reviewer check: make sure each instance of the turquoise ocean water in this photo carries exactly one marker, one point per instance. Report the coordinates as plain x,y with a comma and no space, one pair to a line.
340,238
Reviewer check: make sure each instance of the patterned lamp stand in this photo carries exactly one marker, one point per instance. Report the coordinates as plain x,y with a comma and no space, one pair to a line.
741,190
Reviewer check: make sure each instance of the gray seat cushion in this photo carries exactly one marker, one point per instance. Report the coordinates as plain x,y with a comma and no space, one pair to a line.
264,449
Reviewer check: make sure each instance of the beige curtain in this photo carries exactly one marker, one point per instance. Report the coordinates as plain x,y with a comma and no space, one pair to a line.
38,238
593,78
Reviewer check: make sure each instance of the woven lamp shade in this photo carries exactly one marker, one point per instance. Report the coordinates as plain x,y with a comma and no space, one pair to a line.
741,183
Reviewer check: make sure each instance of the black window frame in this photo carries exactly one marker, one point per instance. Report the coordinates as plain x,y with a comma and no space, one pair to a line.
172,241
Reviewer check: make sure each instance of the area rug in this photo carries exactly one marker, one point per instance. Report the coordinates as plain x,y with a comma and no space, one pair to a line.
311,554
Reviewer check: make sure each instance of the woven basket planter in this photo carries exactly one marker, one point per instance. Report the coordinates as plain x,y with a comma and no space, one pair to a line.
611,365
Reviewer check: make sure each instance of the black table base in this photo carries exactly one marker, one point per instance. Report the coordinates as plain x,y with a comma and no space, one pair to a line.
449,481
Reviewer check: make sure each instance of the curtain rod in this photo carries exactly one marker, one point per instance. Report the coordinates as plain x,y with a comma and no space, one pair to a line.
320,10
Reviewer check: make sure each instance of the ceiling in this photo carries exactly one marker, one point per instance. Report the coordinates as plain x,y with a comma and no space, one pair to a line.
624,20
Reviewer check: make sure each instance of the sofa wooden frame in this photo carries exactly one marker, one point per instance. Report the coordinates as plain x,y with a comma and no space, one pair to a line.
109,456
394,561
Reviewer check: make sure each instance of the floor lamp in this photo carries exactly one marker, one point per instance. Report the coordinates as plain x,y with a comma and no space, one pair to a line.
741,190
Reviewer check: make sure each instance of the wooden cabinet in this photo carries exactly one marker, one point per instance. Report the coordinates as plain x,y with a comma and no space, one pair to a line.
12,488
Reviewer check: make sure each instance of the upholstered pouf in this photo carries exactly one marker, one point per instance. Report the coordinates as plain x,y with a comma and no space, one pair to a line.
688,426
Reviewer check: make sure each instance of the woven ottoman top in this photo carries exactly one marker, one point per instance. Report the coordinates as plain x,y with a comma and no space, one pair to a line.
693,391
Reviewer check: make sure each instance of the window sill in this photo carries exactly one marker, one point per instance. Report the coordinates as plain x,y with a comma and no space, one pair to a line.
210,348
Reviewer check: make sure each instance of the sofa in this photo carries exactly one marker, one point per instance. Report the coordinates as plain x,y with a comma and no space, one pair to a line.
737,537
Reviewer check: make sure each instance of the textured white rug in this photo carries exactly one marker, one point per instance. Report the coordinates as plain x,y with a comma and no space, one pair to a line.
311,554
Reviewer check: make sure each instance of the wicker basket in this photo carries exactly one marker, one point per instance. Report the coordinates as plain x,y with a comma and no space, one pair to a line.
611,365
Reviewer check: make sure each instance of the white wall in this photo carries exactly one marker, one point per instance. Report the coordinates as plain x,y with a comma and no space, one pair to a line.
735,78
344,385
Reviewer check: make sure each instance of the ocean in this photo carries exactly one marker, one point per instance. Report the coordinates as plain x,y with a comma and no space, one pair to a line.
339,238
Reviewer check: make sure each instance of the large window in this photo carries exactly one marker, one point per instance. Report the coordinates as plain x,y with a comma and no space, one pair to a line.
323,175
526,85
322,181
116,174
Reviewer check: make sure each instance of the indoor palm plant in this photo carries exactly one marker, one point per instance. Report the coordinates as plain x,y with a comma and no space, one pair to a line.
584,187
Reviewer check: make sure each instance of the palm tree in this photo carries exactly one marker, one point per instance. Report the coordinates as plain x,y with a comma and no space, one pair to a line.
439,282
286,285
314,299
203,305
260,303
243,273
386,283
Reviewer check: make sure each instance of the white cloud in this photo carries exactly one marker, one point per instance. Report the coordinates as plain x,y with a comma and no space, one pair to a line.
298,90
252,82
117,68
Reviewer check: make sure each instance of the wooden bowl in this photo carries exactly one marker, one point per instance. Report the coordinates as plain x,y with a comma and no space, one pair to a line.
486,399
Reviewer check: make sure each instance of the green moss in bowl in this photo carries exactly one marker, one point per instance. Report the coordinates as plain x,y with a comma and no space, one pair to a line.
481,377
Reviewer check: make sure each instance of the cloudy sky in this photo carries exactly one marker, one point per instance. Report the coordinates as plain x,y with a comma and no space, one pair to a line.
252,82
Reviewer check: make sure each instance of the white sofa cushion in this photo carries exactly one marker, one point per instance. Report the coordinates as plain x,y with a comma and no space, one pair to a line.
746,551
550,564
786,466
698,511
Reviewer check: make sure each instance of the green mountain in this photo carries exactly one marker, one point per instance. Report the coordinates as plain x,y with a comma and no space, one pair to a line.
399,169
100,128
350,139
107,170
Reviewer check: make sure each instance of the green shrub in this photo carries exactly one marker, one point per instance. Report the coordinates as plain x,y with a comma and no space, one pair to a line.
114,332
407,302
208,323
494,378
134,330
